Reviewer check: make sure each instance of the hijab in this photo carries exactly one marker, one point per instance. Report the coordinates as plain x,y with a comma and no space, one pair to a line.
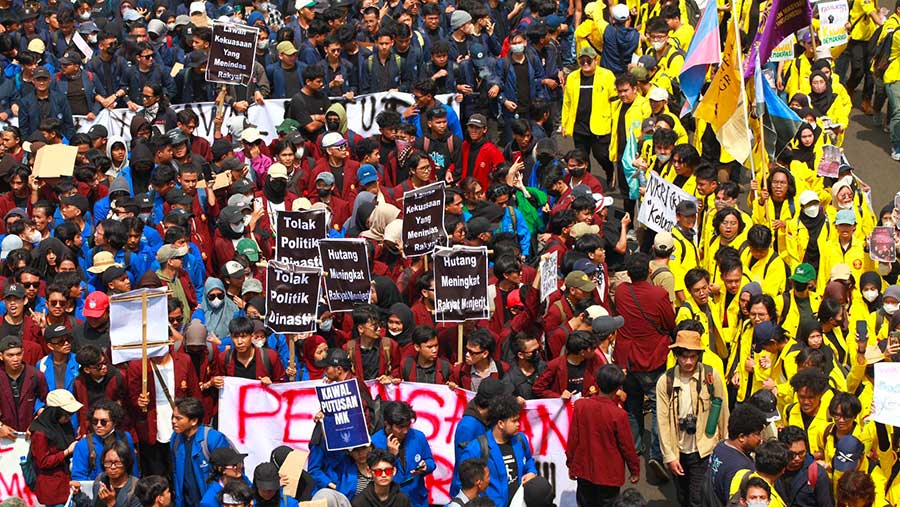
50,244
806,154
310,345
871,278
57,434
217,319
386,293
821,102
383,215
363,207
403,312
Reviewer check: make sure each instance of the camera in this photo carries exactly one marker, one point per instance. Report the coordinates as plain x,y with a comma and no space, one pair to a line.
688,424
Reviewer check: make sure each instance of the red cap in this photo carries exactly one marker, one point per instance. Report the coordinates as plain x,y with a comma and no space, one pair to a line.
514,299
95,304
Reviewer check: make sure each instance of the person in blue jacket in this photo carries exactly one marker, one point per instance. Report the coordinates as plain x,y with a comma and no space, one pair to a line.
87,459
59,340
202,444
410,447
267,490
508,453
227,466
474,420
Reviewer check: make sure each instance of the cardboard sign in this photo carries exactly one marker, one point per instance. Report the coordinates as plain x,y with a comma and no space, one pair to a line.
461,284
549,275
657,210
423,220
344,424
830,162
784,51
833,19
291,469
55,160
126,324
881,245
232,53
292,297
297,236
348,279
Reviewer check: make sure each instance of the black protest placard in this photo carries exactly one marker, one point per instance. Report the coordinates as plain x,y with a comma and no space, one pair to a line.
232,53
461,284
348,280
292,297
297,236
423,220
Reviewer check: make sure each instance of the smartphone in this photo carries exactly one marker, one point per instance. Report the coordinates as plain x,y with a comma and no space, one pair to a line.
257,202
618,214
893,338
106,483
862,331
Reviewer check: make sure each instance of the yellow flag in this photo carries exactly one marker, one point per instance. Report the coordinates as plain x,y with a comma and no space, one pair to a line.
723,104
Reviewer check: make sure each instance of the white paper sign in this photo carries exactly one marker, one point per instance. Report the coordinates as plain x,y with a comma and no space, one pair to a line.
549,275
886,400
784,51
833,18
660,199
125,324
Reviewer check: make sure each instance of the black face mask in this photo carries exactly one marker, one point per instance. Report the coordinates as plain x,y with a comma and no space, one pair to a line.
278,186
554,193
323,192
800,287
535,358
577,173
333,126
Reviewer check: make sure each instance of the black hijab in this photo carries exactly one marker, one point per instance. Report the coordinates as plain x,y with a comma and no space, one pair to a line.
58,435
821,102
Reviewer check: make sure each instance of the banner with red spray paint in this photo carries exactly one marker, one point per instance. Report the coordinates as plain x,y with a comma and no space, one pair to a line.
12,484
258,418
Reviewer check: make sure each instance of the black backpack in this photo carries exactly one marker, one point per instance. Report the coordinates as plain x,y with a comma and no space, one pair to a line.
881,55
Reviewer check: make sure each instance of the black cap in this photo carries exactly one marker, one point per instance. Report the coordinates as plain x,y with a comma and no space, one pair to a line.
56,331
14,290
10,342
41,72
241,186
338,357
232,164
686,208
220,147
97,132
231,214
491,212
177,136
195,59
179,196
144,201
489,389
224,456
77,200
112,273
29,13
265,476
480,225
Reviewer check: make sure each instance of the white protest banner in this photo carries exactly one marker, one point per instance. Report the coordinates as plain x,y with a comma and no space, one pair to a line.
886,399
361,115
549,275
127,313
833,19
784,51
658,207
12,484
258,418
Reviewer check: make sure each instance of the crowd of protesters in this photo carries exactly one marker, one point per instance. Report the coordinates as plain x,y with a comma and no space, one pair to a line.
734,353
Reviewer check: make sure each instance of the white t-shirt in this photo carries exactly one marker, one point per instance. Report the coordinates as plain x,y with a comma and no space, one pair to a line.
163,409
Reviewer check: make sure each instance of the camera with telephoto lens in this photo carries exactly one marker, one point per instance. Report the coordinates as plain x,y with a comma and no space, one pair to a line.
688,424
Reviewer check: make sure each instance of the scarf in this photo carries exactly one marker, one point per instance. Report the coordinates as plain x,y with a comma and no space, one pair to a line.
217,319
58,435
821,102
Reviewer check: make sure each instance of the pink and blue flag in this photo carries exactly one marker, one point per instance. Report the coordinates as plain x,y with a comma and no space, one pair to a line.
705,50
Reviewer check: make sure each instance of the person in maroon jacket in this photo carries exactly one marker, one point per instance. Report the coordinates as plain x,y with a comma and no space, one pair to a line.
642,346
374,357
600,428
152,412
338,162
579,288
16,412
247,361
426,366
479,156
572,374
97,380
577,164
340,208
205,361
52,445
479,362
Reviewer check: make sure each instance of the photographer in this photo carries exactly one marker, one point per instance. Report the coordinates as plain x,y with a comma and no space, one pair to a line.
692,415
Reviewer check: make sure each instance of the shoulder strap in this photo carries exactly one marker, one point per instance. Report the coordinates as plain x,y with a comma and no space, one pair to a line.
643,314
482,441
350,346
407,367
670,381
786,307
204,446
92,453
267,363
658,271
386,346
445,369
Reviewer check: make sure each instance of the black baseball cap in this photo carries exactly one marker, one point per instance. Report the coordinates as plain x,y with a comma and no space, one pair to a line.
265,476
56,331
224,456
489,389
338,357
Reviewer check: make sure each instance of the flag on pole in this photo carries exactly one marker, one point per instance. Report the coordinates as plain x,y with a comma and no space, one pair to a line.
703,52
723,105
779,121
784,18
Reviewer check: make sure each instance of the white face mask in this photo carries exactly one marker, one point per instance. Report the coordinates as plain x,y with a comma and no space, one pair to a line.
171,27
259,343
392,333
216,303
870,295
890,308
663,157
238,228
811,211
246,220
263,44
92,39
326,325
848,205
35,237
757,504
144,217
517,48
85,16
657,45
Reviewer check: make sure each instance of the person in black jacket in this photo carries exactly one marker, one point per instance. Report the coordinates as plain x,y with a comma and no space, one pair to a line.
800,486
525,365
44,103
382,491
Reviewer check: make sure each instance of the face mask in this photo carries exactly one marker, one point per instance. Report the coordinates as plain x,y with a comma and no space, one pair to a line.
216,303
325,325
299,153
333,126
849,205
144,217
577,173
170,27
663,157
35,237
259,343
517,48
323,192
890,309
92,39
394,334
85,16
237,228
554,193
657,45
757,504
534,359
263,44
246,221
800,287
811,211
870,295
115,217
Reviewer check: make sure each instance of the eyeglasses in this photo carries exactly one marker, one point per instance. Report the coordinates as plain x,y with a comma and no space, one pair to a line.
798,454
99,422
383,472
148,97
31,285
56,302
176,319
146,57
61,341
840,417
97,367
470,352
113,464
215,296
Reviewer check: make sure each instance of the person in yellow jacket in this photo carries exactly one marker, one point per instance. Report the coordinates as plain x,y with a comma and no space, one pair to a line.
771,459
700,307
850,455
864,20
685,256
681,170
846,247
589,30
730,230
827,103
807,152
628,114
808,235
831,317
776,206
741,361
771,347
892,89
707,183
845,410
659,105
810,411
762,263
799,302
669,57
880,320
728,300
680,31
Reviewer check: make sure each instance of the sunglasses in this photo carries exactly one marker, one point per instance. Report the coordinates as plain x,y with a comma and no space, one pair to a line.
383,472
99,422
57,302
215,296
31,285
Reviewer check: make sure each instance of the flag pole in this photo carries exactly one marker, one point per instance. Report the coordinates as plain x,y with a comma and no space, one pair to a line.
740,63
144,345
762,130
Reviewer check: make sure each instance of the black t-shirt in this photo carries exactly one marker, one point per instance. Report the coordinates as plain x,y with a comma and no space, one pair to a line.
621,128
724,463
426,375
16,386
612,228
304,106
576,377
523,86
248,371
44,107
7,329
585,103
370,362
512,469
292,82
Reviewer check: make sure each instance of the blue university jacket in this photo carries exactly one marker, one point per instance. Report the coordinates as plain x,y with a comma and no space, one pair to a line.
199,462
498,489
84,470
414,450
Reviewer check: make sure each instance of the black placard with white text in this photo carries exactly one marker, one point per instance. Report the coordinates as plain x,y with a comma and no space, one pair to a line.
345,265
292,298
297,236
423,220
461,284
232,53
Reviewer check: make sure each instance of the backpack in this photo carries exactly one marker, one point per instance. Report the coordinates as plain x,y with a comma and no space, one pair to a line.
735,499
882,54
29,474
483,443
693,12
204,447
658,271
267,363
707,381
385,346
409,364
